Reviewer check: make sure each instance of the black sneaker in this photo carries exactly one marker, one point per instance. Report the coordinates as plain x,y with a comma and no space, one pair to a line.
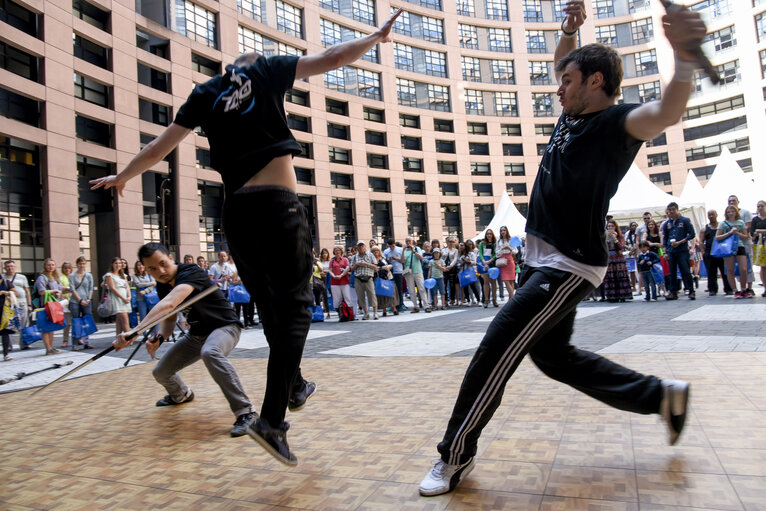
169,401
692,296
749,292
298,400
243,421
671,296
274,440
673,407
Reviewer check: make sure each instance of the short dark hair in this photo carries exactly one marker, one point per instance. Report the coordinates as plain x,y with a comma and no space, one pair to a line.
596,58
389,241
644,244
150,248
673,205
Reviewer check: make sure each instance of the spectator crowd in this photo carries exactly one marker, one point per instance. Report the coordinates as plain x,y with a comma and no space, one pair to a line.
370,280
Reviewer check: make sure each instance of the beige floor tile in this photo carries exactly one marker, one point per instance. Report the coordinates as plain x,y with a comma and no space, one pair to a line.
686,489
571,504
493,501
592,483
751,491
595,454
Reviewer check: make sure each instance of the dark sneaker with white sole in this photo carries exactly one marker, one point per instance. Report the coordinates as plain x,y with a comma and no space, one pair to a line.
444,477
274,440
673,407
298,400
169,401
243,421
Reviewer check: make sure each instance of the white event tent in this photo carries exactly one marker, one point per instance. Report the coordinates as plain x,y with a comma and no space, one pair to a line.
727,179
637,194
506,214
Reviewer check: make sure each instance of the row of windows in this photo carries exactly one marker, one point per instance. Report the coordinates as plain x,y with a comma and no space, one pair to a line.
713,150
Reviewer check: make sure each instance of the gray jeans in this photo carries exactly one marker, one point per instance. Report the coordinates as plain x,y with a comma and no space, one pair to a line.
213,351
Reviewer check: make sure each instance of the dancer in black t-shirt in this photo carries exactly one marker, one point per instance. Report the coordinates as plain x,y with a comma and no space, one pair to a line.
242,113
591,149
214,331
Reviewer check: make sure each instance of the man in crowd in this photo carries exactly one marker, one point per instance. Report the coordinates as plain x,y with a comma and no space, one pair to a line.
188,259
412,264
364,267
221,272
202,263
677,232
643,229
242,113
746,217
590,151
393,255
21,287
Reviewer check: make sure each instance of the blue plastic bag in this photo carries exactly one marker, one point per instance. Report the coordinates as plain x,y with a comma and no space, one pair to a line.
384,287
317,314
726,247
133,300
44,324
133,319
658,273
30,334
238,294
152,298
467,277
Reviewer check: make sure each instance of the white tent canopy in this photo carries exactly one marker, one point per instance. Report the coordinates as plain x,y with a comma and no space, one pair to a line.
693,193
507,215
729,179
637,194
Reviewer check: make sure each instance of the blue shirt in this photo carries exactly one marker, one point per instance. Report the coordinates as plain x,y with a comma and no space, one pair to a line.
679,230
396,252
646,260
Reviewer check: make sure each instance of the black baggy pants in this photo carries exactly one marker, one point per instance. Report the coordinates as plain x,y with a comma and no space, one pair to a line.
254,218
714,266
539,320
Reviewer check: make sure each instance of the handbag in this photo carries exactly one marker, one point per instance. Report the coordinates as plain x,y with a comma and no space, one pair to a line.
317,314
53,309
152,298
7,315
238,294
726,247
501,262
44,323
467,277
317,284
30,334
384,287
759,255
105,308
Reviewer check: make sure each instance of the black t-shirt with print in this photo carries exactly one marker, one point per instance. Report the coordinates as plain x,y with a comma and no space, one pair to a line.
587,157
212,312
243,115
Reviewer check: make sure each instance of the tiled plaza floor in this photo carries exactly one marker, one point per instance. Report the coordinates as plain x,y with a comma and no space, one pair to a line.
386,389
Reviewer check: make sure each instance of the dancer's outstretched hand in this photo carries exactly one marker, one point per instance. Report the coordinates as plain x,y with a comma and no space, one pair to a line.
108,182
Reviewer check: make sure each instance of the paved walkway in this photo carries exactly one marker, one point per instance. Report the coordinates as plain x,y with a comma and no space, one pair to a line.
386,389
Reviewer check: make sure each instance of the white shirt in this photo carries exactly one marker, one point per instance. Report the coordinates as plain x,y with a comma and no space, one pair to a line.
20,284
219,271
542,254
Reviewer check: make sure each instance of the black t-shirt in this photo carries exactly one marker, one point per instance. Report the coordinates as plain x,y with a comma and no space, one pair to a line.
587,157
212,312
243,115
709,237
757,223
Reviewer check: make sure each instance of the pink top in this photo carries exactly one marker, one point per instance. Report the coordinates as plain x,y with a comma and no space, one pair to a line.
336,268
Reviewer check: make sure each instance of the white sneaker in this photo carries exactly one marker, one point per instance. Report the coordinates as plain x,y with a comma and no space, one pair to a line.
444,477
673,407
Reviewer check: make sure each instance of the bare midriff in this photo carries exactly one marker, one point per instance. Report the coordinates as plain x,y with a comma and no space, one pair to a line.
278,172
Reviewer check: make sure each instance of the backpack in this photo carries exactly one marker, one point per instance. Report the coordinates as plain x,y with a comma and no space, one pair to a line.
345,313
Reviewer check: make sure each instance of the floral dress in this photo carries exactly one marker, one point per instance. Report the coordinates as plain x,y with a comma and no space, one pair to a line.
616,282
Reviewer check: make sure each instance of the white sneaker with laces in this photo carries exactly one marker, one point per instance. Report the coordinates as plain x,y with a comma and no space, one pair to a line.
674,405
444,477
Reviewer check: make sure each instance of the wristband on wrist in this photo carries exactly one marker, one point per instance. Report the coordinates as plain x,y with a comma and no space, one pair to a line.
567,34
684,70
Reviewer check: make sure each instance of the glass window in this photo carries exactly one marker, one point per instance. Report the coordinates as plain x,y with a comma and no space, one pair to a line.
375,137
90,14
658,159
89,51
497,9
539,73
477,128
195,22
536,41
19,17
474,102
403,24
373,114
450,189
760,26
517,189
412,143
414,187
502,71
372,53
403,58
499,39
649,91
411,164
482,189
533,10
405,92
446,167
543,104
642,31
471,68
153,112
329,32
91,91
93,131
379,184
340,155
478,148
444,125
377,161
330,5
335,79
506,104
409,121
335,106
303,123
445,146
250,8
514,169
368,83
603,8
466,8
646,62
436,63
304,176
438,97
20,108
297,97
289,19
341,181
204,65
544,129
433,29
716,128
661,178
762,54
723,39
513,150
468,35
606,34
364,11
729,72
510,130
249,41
18,62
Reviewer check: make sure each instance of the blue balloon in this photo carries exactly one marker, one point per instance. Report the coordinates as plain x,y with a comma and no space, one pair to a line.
494,273
515,241
429,283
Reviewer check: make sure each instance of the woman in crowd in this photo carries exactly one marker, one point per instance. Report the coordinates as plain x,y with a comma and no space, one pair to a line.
505,252
385,273
734,226
653,237
244,310
81,284
468,262
119,292
144,284
758,233
125,269
49,281
436,272
318,286
324,260
713,265
487,258
451,260
66,297
339,280
617,286
631,245
6,288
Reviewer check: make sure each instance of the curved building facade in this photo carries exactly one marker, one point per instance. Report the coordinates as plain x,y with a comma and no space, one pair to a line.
419,136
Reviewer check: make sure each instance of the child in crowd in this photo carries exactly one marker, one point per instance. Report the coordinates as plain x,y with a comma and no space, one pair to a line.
646,260
436,267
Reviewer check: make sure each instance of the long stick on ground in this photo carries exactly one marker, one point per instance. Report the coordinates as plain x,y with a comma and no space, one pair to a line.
143,329
21,375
